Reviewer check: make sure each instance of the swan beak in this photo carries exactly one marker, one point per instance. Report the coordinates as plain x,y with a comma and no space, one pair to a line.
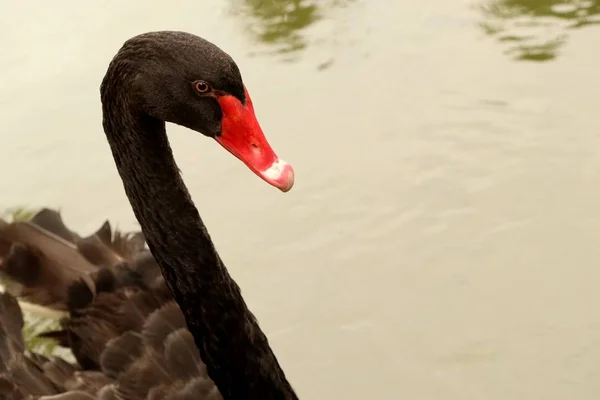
243,137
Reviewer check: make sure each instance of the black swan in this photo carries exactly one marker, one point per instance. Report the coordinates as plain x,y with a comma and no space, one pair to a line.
155,78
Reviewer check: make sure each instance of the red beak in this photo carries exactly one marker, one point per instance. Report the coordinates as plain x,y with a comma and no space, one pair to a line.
242,136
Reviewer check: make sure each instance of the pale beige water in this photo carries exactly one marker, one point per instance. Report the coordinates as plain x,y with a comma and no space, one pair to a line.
443,237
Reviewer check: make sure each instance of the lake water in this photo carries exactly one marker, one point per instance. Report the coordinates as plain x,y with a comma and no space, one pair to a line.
443,237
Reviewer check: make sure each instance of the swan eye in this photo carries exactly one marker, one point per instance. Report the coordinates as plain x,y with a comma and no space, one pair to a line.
201,87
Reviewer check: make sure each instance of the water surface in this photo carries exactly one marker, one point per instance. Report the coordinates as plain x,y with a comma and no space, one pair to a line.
442,238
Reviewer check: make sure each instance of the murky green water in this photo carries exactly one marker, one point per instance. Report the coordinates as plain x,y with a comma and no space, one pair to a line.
442,239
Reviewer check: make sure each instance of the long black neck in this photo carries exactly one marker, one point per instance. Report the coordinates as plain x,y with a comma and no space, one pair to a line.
236,352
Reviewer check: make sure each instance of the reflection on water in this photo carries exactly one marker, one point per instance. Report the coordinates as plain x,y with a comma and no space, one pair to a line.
280,24
535,29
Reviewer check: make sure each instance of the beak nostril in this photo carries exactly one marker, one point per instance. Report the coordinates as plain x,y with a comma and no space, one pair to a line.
254,145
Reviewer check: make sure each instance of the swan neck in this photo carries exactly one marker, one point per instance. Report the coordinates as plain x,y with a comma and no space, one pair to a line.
232,345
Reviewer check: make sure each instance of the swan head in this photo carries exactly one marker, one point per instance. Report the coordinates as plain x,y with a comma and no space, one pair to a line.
181,78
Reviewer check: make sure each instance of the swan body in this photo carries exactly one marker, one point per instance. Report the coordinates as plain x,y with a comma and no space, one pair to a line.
129,326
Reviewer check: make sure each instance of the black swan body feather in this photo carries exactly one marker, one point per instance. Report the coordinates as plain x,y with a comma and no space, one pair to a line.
167,322
127,334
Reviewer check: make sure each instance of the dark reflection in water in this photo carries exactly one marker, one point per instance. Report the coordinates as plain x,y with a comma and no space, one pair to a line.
281,24
534,30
